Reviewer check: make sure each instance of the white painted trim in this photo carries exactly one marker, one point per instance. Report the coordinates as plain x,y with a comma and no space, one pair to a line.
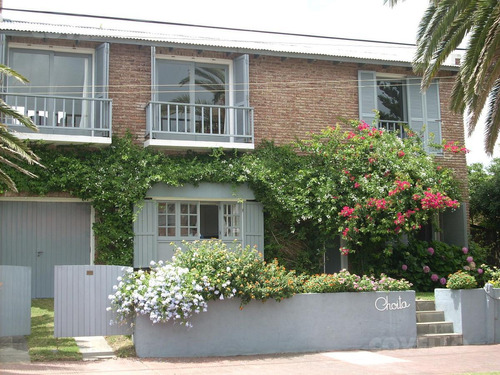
383,76
42,199
165,143
205,200
66,139
43,47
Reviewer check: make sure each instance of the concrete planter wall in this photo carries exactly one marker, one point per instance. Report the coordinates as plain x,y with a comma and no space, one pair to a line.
303,323
474,313
15,301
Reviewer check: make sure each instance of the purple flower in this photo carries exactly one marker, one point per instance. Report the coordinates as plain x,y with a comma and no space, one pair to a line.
480,271
470,259
465,250
442,281
430,250
404,267
426,269
434,277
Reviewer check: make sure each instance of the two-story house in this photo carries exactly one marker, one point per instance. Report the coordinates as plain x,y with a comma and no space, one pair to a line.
178,88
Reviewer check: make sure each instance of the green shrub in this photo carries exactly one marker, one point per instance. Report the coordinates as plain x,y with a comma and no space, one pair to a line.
347,282
461,280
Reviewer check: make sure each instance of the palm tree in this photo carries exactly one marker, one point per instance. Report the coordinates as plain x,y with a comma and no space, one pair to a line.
12,149
442,29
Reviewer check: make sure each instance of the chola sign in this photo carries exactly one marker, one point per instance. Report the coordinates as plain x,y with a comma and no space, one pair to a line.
383,304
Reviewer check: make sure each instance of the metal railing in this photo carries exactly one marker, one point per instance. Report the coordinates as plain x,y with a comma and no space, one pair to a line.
199,122
62,115
393,126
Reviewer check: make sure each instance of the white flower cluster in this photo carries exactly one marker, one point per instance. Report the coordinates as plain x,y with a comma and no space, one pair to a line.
167,293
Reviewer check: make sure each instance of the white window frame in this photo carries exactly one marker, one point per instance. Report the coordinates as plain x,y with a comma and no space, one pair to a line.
221,213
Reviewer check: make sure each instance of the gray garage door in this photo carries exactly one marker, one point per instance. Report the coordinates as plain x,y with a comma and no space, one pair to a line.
41,235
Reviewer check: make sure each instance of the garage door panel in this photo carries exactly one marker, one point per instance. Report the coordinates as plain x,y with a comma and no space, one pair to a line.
17,246
42,235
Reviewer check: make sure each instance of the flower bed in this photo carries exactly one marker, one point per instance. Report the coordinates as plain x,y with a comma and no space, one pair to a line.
304,323
207,277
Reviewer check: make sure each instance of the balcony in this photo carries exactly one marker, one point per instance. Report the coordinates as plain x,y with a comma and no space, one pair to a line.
393,126
62,119
184,125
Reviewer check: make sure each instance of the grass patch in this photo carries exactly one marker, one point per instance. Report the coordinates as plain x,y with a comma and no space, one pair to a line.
122,345
42,344
426,296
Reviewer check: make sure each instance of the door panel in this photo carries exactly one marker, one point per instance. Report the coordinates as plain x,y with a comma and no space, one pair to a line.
40,235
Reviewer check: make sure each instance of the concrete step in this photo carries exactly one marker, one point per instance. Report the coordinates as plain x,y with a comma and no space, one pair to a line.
423,305
430,316
434,327
440,339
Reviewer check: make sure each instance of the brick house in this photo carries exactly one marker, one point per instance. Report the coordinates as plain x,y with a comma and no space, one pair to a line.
177,88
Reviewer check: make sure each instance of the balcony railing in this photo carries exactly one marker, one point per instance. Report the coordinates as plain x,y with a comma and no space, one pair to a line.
68,117
393,126
177,124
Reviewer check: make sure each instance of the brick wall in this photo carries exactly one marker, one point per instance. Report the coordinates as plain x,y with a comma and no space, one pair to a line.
290,96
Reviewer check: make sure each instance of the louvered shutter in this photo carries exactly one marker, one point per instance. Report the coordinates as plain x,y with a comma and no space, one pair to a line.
367,89
254,225
145,241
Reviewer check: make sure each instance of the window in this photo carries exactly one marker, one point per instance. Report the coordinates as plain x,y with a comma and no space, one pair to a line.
52,74
399,101
67,92
194,220
199,102
232,220
203,85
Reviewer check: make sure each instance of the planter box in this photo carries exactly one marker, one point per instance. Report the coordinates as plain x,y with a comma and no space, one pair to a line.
473,312
303,323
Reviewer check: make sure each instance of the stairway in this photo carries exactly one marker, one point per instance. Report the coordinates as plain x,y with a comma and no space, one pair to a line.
432,329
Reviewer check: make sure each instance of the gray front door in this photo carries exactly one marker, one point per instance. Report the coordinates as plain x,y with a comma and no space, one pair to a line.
41,235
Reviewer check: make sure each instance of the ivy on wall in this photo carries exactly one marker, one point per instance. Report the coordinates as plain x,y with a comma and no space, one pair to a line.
290,184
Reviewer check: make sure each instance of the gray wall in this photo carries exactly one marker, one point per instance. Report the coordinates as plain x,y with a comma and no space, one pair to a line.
81,298
474,313
15,301
303,323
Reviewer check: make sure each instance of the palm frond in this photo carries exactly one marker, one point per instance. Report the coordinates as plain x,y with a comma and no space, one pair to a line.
4,178
12,73
492,119
6,110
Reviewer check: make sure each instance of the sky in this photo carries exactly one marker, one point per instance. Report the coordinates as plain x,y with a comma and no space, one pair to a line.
358,19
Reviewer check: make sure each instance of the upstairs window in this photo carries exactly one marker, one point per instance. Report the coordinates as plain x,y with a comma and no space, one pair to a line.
399,101
66,95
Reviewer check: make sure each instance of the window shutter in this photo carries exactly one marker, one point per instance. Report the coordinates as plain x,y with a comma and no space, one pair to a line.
154,89
424,112
102,70
254,225
240,81
433,115
367,89
241,94
145,241
3,60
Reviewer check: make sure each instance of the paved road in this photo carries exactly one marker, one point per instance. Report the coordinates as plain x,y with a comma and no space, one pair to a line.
442,360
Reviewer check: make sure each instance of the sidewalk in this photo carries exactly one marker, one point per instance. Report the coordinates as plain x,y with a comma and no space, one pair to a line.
439,360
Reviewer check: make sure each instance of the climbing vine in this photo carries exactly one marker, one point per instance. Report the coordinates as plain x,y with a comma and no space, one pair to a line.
305,187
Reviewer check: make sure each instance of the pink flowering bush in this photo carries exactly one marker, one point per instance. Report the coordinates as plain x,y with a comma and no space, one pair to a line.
369,186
